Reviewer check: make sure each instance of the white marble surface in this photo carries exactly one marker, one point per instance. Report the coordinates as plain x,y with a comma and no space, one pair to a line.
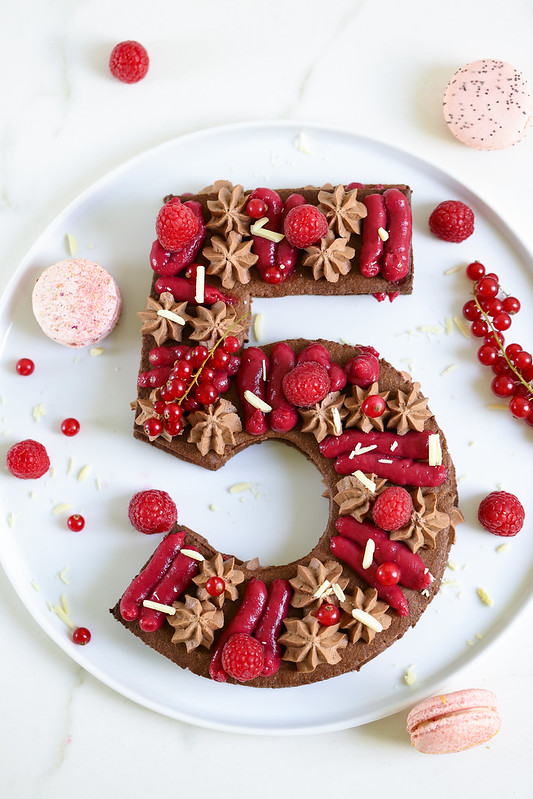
376,68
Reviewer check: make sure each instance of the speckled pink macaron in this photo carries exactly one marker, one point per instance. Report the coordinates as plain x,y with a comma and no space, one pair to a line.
453,722
76,302
488,105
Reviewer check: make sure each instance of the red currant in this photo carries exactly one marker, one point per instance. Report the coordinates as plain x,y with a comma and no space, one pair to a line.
206,394
527,374
81,636
487,287
487,354
164,393
177,388
273,275
512,349
153,427
501,367
494,337
520,407
492,306
25,366
159,407
373,406
502,321
174,427
198,355
328,615
388,574
471,311
522,360
206,375
256,208
220,358
233,365
70,427
75,523
215,586
183,369
511,305
173,412
502,386
221,381
475,270
493,276
231,344
479,328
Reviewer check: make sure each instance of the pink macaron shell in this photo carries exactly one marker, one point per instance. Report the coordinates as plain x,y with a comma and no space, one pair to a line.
488,105
76,302
453,722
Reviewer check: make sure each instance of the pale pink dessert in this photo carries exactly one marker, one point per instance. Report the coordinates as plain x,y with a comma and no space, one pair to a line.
76,302
488,105
453,722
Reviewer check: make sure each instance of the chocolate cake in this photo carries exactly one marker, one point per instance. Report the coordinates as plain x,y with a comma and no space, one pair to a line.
204,396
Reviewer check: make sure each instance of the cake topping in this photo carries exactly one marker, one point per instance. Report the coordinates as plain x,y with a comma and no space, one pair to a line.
314,583
322,419
343,210
354,498
409,410
210,324
227,211
330,258
425,523
159,326
230,259
309,643
147,411
258,229
213,428
357,417
223,569
364,615
195,623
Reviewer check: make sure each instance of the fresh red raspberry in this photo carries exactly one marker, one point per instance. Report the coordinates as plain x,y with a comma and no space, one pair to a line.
305,225
28,460
392,509
152,511
175,225
452,221
501,513
243,657
129,62
306,384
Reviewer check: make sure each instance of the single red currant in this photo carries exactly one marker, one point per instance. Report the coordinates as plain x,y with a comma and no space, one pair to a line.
493,338
75,523
501,367
328,615
153,427
373,406
173,412
520,407
183,369
206,375
198,355
231,344
471,311
174,427
206,394
522,360
215,586
221,381
388,574
487,354
475,270
256,208
81,636
70,427
25,366
177,388
273,275
220,358
512,349
487,287
502,386
190,404
159,407
492,306
511,305
479,328
502,321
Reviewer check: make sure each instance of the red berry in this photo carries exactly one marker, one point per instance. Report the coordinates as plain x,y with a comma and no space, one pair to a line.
165,394
175,225
221,381
206,375
306,384
129,62
501,367
220,358
479,328
198,355
234,365
487,287
487,355
243,657
152,511
512,350
494,337
27,460
230,344
190,404
75,523
502,386
25,366
522,360
363,370
328,615
502,321
153,427
256,208
520,406
304,225
81,636
174,427
177,388
173,412
475,270
492,306
471,311
215,586
373,406
392,509
452,221
183,369
273,275
206,394
70,427
388,574
511,305
501,513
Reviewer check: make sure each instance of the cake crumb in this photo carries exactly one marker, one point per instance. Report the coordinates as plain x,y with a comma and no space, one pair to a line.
484,597
409,677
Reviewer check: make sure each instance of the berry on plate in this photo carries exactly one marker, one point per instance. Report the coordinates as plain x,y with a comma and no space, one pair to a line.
175,225
305,225
81,636
243,657
452,221
28,459
129,62
392,509
152,511
501,513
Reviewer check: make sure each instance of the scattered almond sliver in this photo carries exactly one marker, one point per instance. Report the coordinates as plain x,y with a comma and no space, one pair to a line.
367,620
368,556
485,598
72,244
321,590
339,593
361,476
435,451
257,402
258,319
382,233
257,229
463,327
171,316
158,606
200,284
192,553
337,423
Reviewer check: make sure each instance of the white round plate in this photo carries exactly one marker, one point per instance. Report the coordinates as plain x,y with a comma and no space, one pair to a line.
282,512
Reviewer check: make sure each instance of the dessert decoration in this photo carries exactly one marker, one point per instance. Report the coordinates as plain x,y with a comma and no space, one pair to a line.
452,220
81,636
70,427
152,511
129,61
76,302
75,523
490,315
27,460
501,513
25,366
454,721
488,105
204,395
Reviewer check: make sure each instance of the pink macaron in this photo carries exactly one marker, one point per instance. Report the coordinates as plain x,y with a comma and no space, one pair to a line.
453,722
76,302
488,105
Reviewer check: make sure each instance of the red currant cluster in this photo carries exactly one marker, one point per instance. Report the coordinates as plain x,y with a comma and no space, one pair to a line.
490,315
195,379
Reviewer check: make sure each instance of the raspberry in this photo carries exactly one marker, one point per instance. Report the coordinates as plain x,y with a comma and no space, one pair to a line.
452,221
176,225
501,513
306,384
305,225
243,657
392,509
28,460
152,511
129,62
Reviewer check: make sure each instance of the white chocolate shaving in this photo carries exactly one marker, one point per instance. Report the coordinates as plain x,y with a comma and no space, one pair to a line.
434,449
453,269
173,317
38,412
409,677
200,284
11,519
368,556
382,233
84,472
449,369
321,590
72,244
449,326
258,320
337,423
393,446
191,553
62,575
385,460
301,143
463,327
35,585
367,620
60,613
485,598
339,593
257,402
238,488
366,481
158,606
62,507
264,370
257,229
95,352
502,548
